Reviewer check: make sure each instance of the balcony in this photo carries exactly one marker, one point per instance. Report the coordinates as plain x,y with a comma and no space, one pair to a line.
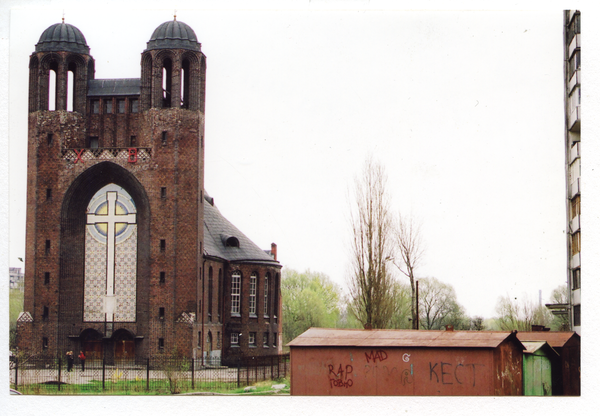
575,80
575,120
575,224
574,153
574,188
575,43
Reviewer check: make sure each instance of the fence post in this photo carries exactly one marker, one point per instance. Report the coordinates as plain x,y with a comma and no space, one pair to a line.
59,371
103,372
16,373
192,373
248,373
238,374
147,374
285,364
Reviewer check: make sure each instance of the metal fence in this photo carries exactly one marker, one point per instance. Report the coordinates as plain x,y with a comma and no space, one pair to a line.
156,375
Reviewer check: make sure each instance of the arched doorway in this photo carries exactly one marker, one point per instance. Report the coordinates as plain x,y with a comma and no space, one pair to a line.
124,343
91,344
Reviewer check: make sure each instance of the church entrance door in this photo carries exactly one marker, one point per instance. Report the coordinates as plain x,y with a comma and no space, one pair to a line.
124,345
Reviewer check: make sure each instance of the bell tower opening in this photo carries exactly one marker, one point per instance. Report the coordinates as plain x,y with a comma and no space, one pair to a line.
52,85
167,82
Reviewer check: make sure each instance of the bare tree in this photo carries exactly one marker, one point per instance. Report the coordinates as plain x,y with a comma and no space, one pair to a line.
520,315
440,306
409,249
371,294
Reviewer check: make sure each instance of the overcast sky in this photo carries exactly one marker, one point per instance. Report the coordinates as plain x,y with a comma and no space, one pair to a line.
464,110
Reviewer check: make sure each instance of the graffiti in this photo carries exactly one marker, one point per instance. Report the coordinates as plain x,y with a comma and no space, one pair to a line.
340,378
378,355
78,154
407,377
132,156
446,375
406,358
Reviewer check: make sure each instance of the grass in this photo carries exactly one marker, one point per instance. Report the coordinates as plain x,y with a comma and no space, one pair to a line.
157,387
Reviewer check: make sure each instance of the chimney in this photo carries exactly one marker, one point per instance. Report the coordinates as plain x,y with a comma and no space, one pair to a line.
274,251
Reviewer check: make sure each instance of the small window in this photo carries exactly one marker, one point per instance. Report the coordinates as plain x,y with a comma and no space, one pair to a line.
93,143
235,339
132,141
163,246
236,279
575,206
575,243
266,296
161,343
161,313
108,107
266,340
45,343
47,247
133,105
577,315
95,106
163,192
576,278
252,339
252,296
199,338
48,194
45,313
164,138
274,339
46,278
49,138
162,278
121,106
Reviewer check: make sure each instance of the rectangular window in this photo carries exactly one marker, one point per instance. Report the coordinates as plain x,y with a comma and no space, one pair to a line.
577,315
163,246
575,243
49,138
199,338
210,293
45,313
121,106
266,340
235,339
576,278
161,343
108,107
163,192
266,296
575,206
252,295
48,194
161,313
94,143
220,295
46,278
47,247
133,105
162,278
95,106
275,339
236,279
164,138
252,339
132,141
45,343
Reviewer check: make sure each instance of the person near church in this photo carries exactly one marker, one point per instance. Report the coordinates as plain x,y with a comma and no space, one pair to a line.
82,360
70,361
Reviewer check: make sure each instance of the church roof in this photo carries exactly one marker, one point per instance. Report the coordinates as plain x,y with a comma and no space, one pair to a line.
62,37
173,35
113,87
223,240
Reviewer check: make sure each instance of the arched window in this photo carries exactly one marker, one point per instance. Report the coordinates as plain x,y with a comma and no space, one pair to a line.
71,93
167,78
236,285
52,86
210,293
266,295
185,84
252,299
220,296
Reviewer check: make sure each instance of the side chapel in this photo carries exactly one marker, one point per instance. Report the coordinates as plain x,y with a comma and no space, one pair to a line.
127,255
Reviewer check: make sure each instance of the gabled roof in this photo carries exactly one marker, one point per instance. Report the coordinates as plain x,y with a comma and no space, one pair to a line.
554,339
218,231
533,347
113,87
321,337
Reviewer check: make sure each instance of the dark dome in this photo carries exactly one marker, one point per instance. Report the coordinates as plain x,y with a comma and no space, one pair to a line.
62,37
174,35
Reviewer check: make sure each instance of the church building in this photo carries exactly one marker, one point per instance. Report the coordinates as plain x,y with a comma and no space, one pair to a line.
126,254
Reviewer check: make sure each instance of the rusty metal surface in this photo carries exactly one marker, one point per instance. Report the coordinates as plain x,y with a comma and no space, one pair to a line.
555,339
398,338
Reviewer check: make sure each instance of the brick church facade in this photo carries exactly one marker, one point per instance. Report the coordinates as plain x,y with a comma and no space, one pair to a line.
127,256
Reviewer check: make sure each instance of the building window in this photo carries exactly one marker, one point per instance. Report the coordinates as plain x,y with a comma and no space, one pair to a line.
220,295
266,340
266,296
45,343
252,299
164,138
161,313
575,243
161,343
577,315
163,246
48,194
218,340
210,293
576,278
162,278
95,106
46,278
575,206
275,339
108,107
121,106
235,339
47,247
49,138
133,106
93,143
45,313
200,338
236,280
252,339
163,192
